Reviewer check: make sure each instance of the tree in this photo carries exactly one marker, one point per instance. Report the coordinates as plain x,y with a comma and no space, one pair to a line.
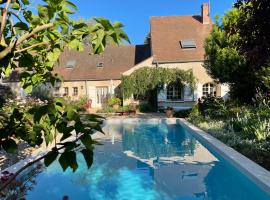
237,51
32,40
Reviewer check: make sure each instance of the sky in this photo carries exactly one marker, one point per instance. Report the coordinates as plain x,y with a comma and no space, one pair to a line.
135,14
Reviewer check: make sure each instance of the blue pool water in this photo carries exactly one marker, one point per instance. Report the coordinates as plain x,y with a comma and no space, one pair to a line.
147,162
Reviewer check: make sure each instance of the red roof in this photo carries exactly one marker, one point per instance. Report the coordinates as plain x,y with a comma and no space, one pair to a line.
168,31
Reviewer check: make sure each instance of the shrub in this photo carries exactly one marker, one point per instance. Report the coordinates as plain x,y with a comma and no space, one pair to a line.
182,113
214,107
114,101
145,107
42,92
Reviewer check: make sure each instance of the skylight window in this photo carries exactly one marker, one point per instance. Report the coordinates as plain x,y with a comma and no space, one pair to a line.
100,65
188,44
71,64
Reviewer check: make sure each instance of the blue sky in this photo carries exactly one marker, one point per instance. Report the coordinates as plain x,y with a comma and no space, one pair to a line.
135,14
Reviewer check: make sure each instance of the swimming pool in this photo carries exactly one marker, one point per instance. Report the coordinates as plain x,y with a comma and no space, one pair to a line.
148,161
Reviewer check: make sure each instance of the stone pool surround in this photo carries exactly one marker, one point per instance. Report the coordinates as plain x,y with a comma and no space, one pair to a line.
257,173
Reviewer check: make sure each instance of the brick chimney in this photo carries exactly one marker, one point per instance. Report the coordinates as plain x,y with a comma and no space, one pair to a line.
205,13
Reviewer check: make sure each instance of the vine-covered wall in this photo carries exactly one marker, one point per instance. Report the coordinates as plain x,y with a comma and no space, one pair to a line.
145,79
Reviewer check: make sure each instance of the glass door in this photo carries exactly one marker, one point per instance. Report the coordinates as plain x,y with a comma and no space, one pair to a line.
102,95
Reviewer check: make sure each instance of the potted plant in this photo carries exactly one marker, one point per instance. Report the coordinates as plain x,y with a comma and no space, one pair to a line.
169,112
114,102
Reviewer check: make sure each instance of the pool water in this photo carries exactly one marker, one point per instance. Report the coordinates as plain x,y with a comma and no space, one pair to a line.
147,161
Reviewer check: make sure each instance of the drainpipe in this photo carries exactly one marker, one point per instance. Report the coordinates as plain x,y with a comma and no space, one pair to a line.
86,89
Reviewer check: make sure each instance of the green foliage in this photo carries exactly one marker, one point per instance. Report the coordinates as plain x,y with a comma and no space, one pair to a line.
237,50
43,33
114,101
182,113
146,107
42,92
146,79
245,128
111,110
214,107
32,40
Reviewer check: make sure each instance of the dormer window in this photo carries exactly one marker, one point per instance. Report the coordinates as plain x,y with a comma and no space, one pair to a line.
100,65
71,64
188,44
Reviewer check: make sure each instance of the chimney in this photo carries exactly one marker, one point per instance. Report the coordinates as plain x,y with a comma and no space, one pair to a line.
205,13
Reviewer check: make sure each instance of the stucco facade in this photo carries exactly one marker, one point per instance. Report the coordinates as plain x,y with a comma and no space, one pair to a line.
95,91
189,97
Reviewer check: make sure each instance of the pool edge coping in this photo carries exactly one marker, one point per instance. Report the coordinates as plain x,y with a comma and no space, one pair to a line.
260,175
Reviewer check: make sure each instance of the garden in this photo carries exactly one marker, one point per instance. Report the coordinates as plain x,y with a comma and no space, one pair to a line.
246,128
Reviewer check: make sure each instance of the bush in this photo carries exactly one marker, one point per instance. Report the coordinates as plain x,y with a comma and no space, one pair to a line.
114,101
79,104
182,113
214,107
111,110
145,108
42,92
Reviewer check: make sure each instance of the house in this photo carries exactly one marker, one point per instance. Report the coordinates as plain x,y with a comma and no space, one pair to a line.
178,42
175,42
97,76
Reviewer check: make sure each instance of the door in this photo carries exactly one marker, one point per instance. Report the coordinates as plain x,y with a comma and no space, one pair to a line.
101,95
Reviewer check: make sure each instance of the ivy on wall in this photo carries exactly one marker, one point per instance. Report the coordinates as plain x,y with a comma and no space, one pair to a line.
146,79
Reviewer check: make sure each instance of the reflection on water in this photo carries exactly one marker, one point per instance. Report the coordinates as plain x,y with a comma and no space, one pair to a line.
149,162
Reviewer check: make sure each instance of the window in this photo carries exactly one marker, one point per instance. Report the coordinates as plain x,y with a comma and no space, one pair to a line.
102,95
209,89
100,65
75,91
188,44
71,64
174,91
56,89
66,93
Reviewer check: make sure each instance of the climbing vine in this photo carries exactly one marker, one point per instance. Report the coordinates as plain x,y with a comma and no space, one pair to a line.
146,79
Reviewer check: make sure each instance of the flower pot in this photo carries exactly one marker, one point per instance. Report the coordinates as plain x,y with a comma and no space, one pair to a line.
169,112
115,106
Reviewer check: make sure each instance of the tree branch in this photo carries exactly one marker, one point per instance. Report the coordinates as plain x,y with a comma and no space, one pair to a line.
4,19
33,162
33,32
24,37
30,47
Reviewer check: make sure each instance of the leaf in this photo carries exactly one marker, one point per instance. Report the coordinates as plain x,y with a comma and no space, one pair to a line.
53,56
25,2
88,157
9,146
21,26
72,5
50,157
68,159
87,141
28,89
63,161
15,6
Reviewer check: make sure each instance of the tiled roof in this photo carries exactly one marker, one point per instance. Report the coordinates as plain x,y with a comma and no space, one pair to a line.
115,60
166,33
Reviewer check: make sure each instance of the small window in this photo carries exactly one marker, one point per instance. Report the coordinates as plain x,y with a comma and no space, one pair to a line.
75,91
188,44
174,91
71,64
81,87
209,89
100,65
56,89
66,92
